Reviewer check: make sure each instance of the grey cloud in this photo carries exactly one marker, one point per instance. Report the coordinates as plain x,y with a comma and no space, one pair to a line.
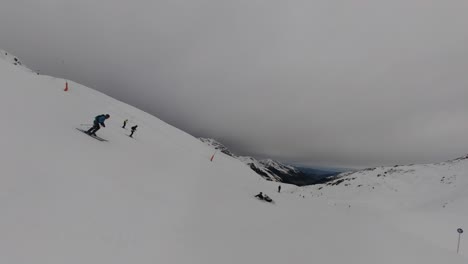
316,82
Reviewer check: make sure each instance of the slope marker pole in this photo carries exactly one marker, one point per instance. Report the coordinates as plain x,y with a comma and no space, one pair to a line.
460,231
212,157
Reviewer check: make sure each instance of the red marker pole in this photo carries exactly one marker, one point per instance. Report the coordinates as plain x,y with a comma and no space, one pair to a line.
66,86
212,157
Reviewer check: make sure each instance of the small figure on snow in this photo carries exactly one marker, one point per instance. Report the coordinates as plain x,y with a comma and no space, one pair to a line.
125,123
279,188
259,196
133,130
98,122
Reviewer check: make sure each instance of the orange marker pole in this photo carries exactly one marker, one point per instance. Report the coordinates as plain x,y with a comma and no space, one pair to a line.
212,157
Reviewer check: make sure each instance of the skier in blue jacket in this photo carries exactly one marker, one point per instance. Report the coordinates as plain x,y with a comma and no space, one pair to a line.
98,122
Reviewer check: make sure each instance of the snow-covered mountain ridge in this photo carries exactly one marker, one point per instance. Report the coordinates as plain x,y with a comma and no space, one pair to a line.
10,58
269,169
398,180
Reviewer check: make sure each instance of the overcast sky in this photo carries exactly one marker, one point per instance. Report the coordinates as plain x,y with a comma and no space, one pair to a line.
318,82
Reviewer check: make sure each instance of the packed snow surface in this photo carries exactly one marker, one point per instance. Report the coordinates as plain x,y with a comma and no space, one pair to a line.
67,198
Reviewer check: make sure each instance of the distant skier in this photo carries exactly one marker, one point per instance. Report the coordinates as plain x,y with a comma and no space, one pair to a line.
259,196
279,188
98,122
125,123
133,130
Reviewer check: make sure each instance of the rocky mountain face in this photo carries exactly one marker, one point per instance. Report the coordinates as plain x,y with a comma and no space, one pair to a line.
269,169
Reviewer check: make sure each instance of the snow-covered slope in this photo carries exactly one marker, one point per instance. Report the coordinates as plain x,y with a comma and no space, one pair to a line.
429,200
157,198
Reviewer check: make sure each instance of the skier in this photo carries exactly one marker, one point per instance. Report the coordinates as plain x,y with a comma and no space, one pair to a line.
133,130
279,188
259,196
125,123
98,122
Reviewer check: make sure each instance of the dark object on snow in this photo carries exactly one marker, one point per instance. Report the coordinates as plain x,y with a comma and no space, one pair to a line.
279,188
133,130
98,122
264,197
259,196
95,137
267,198
125,123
